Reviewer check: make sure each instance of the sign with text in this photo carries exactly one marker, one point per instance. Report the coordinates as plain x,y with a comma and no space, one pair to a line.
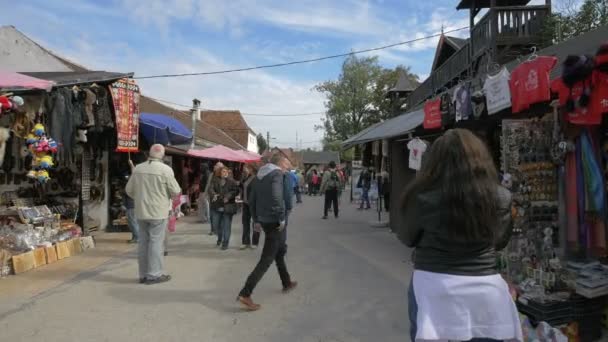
125,96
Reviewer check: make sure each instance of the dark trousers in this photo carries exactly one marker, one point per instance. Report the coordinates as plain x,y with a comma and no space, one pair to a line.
298,193
247,228
275,249
387,201
413,313
331,198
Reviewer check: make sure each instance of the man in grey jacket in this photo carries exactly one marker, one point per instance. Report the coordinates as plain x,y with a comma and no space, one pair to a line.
267,203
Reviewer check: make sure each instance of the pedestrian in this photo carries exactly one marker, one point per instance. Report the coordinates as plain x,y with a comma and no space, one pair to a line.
386,189
309,182
152,186
251,238
129,205
300,186
316,182
330,186
269,212
223,191
214,214
202,197
457,216
365,184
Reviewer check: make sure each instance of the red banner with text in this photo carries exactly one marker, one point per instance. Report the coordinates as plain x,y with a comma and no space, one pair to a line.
125,95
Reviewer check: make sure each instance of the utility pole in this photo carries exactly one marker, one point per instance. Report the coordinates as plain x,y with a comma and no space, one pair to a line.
268,141
297,141
196,115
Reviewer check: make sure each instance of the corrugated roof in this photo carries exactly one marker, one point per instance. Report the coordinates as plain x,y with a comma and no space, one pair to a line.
70,78
457,43
394,127
204,130
466,4
404,84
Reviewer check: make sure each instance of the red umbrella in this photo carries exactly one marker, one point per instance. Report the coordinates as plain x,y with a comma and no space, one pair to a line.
220,152
13,80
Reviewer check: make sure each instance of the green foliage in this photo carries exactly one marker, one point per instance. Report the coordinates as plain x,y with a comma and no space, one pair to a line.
573,21
262,144
357,99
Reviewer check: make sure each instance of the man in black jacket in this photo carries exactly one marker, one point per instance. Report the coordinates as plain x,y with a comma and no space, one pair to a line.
267,204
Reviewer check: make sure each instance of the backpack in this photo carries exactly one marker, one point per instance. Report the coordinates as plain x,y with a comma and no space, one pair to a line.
334,181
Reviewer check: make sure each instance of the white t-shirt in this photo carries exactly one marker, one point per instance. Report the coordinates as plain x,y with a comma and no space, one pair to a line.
497,91
417,148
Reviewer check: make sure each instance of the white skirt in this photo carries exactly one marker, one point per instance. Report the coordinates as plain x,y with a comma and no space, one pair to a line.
459,308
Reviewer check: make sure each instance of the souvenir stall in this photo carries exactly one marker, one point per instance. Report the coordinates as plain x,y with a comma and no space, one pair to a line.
549,134
53,177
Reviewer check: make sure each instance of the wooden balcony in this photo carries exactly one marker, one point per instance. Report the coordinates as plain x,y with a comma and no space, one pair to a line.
501,28
508,26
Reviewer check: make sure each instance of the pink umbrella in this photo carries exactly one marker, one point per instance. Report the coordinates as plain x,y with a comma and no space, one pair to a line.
13,80
222,153
249,156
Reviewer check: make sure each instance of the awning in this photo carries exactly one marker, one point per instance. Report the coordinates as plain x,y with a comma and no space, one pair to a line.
70,78
394,127
15,81
221,152
164,130
250,156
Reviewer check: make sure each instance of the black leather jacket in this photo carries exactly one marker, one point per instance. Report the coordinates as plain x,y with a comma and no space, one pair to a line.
437,252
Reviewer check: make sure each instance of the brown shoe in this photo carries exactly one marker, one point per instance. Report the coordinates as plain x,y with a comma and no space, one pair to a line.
291,287
248,303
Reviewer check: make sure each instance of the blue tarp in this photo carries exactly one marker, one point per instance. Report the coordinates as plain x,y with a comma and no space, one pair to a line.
164,130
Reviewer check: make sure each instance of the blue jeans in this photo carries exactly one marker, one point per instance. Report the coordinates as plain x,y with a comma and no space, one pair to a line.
224,229
412,309
133,225
365,198
215,217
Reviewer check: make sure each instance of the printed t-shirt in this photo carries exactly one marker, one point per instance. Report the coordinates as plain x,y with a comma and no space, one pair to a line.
530,83
497,91
462,102
580,115
417,148
432,114
599,95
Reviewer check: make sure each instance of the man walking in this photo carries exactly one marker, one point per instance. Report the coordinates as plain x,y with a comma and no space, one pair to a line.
365,183
267,205
330,186
152,186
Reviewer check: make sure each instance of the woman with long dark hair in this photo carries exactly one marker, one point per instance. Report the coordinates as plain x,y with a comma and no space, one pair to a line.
457,216
223,191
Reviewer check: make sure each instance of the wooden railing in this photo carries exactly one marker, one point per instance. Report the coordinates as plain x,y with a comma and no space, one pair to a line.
503,26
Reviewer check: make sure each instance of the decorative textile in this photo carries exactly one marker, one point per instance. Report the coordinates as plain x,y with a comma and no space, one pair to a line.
462,102
530,83
432,114
125,95
417,148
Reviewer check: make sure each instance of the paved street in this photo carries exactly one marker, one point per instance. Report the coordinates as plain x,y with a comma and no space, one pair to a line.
352,277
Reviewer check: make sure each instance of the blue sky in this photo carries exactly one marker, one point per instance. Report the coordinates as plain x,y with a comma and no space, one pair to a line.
164,36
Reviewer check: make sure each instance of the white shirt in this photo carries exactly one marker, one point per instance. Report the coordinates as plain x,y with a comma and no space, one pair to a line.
497,91
417,148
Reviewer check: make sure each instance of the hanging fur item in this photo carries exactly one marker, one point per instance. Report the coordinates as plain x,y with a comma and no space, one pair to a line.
578,68
5,134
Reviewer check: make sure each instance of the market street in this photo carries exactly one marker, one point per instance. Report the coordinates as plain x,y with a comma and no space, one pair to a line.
352,287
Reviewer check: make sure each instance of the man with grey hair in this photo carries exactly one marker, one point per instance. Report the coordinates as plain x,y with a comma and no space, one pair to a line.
269,204
152,186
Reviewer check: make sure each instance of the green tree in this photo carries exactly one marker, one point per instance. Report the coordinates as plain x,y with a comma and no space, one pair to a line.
357,99
262,144
571,21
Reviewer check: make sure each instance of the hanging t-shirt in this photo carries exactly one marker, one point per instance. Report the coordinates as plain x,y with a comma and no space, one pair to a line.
417,148
530,83
462,102
580,115
599,95
432,114
497,91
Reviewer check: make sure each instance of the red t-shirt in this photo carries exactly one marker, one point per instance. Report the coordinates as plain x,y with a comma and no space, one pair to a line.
581,115
432,114
599,97
530,82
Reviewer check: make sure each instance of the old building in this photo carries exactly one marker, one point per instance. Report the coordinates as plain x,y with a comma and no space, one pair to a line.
234,125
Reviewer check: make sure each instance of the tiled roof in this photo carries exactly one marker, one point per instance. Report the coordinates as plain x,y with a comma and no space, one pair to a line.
204,130
225,119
